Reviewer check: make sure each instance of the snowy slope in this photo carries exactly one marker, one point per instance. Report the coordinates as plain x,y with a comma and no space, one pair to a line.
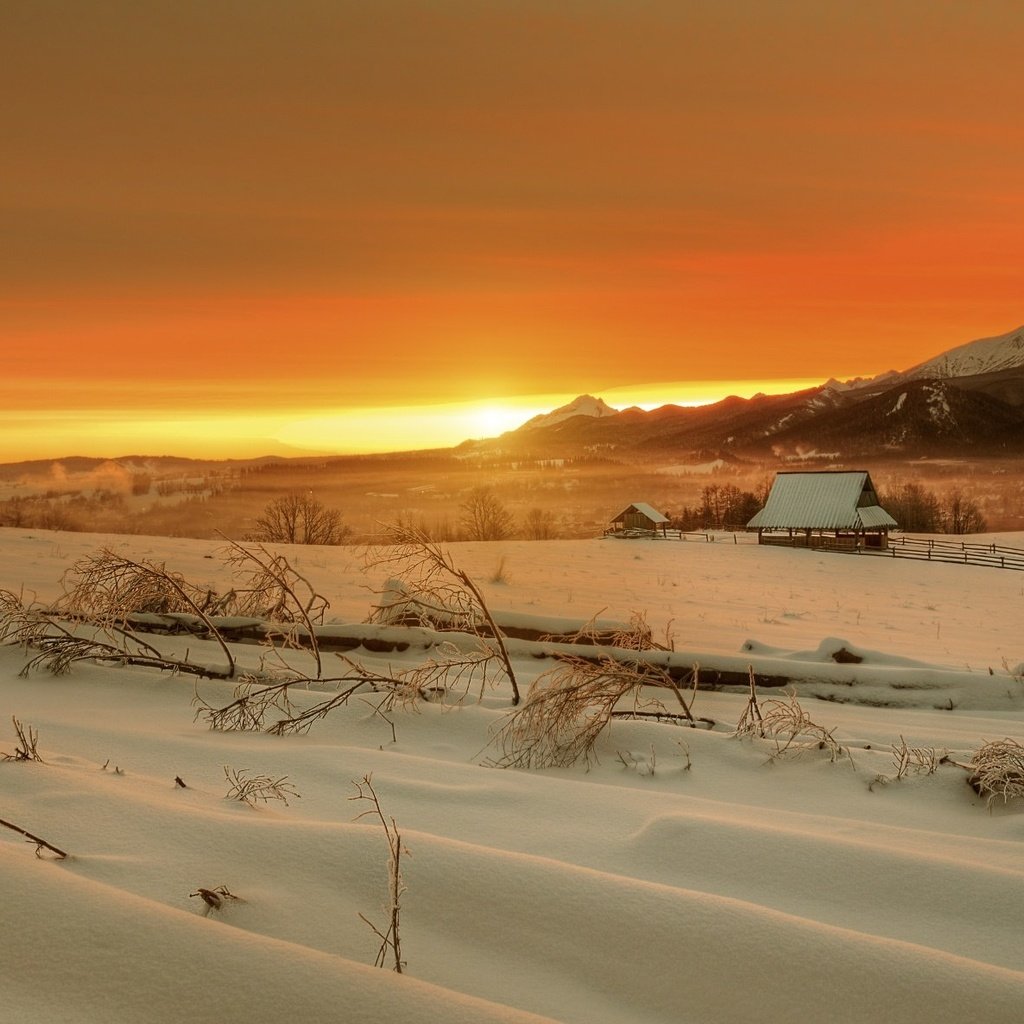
686,876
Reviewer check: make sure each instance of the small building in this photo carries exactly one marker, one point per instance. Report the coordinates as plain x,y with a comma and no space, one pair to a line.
638,520
827,509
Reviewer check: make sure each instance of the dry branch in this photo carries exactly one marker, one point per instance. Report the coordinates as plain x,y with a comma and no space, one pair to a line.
214,898
41,844
433,580
108,588
278,592
255,700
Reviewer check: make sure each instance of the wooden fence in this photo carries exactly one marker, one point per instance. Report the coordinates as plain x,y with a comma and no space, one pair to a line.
723,536
957,552
997,556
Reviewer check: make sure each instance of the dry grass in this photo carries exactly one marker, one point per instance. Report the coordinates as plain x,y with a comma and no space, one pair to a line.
25,750
908,760
790,728
254,789
636,635
997,770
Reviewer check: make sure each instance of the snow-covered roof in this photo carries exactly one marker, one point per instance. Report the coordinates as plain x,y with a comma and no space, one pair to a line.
874,517
645,510
822,501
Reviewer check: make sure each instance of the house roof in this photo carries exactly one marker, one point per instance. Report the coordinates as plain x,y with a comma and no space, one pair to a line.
822,501
645,510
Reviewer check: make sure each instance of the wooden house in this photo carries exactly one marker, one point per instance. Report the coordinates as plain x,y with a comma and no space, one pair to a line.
638,520
828,509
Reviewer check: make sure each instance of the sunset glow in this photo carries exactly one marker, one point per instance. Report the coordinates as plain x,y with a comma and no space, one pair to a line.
109,432
361,227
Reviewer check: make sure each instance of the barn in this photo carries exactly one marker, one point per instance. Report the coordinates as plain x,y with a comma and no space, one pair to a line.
828,509
638,519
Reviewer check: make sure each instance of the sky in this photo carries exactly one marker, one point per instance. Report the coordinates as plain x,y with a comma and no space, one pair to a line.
238,227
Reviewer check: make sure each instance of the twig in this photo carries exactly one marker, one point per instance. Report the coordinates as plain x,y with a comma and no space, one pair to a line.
27,738
391,939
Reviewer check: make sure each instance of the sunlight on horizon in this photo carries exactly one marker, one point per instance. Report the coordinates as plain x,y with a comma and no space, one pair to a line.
110,433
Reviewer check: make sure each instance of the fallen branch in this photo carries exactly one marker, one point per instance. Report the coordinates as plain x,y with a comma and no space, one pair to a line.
41,844
568,708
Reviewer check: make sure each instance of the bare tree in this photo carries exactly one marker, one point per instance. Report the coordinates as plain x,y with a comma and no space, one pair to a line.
299,519
539,524
962,514
914,507
484,517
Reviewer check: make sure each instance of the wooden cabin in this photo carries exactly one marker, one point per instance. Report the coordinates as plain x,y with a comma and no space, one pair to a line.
638,520
826,509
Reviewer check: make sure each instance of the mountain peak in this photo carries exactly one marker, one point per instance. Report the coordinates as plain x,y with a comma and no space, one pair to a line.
986,355
584,405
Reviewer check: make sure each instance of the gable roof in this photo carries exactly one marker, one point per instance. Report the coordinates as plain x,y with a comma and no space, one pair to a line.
645,510
822,501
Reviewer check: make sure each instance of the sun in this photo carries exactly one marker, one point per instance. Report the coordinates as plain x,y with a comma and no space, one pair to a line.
491,420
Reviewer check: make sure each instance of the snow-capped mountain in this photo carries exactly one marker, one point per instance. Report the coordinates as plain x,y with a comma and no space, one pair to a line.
584,405
986,355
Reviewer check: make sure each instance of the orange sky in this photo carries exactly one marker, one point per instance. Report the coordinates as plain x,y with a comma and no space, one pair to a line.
223,218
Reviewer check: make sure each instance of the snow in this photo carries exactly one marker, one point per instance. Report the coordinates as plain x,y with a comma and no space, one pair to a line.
685,876
693,469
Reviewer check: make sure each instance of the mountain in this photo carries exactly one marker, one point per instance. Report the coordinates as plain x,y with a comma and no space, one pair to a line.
585,405
968,401
986,355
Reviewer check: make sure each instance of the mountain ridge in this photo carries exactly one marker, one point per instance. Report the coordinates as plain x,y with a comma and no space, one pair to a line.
967,400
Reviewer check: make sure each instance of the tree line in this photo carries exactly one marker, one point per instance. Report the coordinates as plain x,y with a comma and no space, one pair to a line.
300,518
919,510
